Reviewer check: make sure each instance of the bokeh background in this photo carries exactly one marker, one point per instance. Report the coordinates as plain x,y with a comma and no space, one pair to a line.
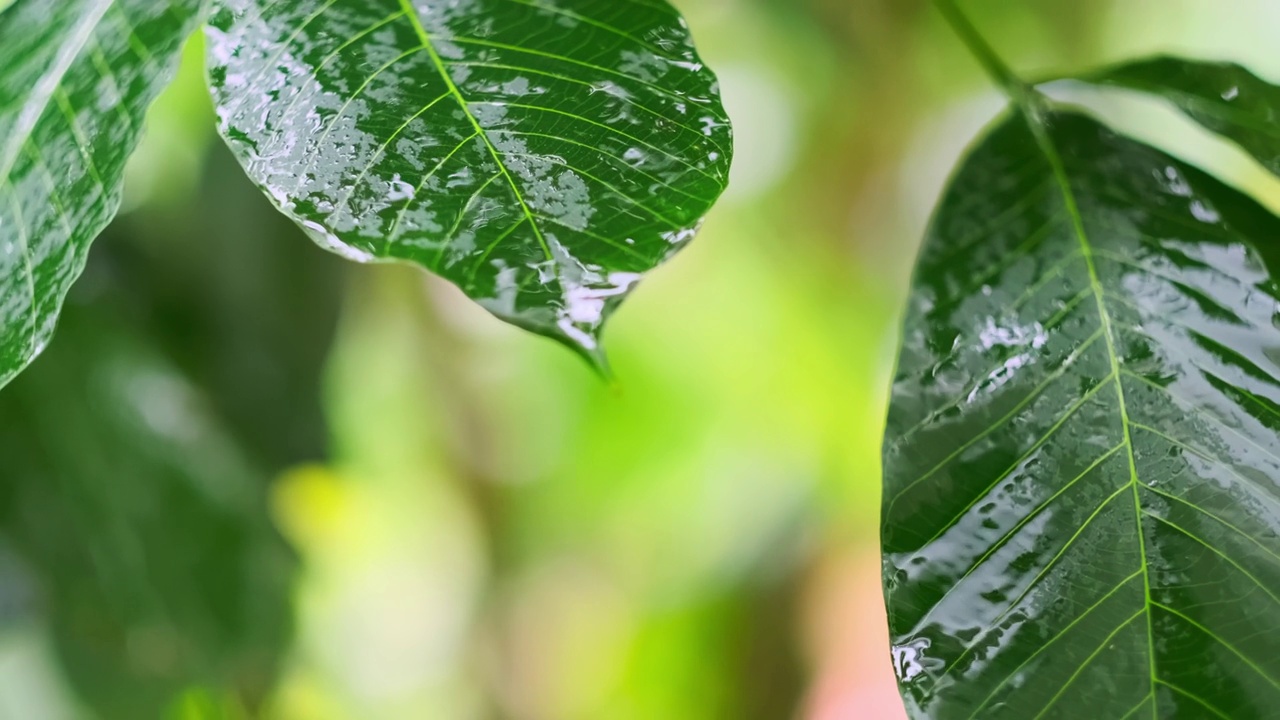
252,480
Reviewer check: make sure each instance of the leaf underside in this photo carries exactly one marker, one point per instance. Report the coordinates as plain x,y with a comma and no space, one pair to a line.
76,79
540,154
1223,97
1081,513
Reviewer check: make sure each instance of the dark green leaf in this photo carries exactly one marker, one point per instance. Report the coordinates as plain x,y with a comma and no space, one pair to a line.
540,154
244,306
1223,97
218,343
1081,506
143,524
76,78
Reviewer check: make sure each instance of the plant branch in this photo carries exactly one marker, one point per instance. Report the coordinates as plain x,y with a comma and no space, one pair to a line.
1013,86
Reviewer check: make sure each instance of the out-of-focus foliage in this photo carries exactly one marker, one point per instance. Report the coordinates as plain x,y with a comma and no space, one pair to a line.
138,452
144,527
490,532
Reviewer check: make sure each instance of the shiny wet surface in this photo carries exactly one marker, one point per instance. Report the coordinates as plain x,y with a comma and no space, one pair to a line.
1080,511
78,78
540,154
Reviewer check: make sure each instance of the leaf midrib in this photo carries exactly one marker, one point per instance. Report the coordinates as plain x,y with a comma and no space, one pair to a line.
1040,131
411,12
29,116
43,91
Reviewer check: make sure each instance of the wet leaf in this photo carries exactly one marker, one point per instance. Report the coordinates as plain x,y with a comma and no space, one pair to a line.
540,154
76,78
1081,508
1223,97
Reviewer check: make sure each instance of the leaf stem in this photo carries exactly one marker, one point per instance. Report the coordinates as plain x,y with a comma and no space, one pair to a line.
1018,91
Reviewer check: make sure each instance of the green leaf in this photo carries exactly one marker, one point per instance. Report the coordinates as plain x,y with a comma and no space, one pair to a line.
137,453
1081,506
1223,97
76,78
143,522
540,154
244,306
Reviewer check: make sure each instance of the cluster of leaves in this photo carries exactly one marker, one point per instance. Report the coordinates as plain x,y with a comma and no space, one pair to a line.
1080,508
540,154
1081,501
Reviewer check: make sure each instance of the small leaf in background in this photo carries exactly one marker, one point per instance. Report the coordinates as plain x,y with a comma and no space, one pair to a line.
76,78
540,154
1223,97
1080,502
137,455
243,305
143,525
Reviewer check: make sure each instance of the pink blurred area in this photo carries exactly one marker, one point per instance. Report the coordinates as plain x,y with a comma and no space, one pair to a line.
847,636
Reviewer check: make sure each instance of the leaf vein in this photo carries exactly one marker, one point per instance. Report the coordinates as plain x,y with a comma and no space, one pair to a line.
571,61
24,250
429,44
1196,698
462,215
986,376
1216,551
1214,516
1039,130
609,156
344,201
1061,633
1201,412
995,546
702,135
612,188
602,126
42,92
1085,664
1220,640
395,225
1035,392
596,23
1062,551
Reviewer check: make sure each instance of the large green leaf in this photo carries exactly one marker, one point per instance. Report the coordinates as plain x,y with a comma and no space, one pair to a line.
540,154
1081,510
76,78
1224,97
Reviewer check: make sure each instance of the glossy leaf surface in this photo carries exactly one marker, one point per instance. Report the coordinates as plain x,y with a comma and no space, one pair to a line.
1223,97
1081,506
540,154
76,78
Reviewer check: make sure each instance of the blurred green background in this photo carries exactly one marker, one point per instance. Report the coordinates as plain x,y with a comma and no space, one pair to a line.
251,480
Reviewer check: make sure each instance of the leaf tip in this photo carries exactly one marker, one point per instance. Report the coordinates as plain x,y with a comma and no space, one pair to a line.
599,362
